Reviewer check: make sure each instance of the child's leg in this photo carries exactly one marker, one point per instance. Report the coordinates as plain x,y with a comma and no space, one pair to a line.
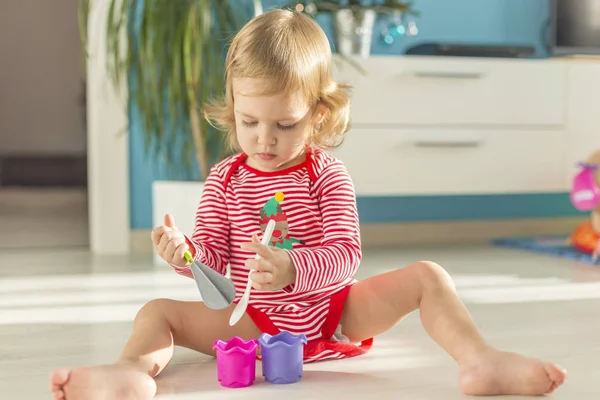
377,304
158,327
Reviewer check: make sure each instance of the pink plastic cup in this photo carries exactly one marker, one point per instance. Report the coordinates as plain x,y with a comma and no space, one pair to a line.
236,362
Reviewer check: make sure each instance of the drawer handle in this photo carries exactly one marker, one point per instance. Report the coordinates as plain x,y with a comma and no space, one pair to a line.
447,144
449,74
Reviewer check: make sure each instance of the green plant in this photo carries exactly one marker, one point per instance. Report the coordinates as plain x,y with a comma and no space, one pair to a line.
170,54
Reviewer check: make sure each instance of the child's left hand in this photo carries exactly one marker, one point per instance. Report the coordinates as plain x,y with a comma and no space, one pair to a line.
275,269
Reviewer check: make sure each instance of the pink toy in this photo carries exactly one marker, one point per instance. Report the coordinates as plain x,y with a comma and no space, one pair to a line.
236,362
585,194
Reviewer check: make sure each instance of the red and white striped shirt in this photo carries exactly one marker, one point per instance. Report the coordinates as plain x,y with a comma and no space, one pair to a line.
319,206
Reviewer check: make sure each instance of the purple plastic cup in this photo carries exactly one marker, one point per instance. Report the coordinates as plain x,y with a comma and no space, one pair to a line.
236,362
282,357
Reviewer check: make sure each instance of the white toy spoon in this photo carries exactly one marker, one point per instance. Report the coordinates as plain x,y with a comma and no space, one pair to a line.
240,308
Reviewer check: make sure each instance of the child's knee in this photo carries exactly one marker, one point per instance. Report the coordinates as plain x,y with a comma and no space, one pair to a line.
431,274
155,309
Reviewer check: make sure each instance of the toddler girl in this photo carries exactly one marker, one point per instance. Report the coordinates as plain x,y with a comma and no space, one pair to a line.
282,108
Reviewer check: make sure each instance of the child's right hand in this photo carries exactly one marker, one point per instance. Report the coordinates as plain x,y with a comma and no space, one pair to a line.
170,242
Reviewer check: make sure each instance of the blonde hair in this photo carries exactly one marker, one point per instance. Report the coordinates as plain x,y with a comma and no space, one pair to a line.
290,51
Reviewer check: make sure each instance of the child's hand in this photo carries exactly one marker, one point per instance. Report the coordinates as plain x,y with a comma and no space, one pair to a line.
170,242
274,271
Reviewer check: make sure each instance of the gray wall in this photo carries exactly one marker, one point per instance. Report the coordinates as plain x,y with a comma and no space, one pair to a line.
40,78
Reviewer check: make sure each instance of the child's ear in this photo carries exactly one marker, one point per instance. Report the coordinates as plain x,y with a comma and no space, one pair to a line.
320,113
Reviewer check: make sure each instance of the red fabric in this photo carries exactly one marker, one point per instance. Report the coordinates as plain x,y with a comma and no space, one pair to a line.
324,348
322,226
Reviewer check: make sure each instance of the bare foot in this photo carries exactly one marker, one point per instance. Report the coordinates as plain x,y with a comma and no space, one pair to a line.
499,373
107,382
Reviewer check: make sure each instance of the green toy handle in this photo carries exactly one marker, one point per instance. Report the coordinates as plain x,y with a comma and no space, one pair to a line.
188,257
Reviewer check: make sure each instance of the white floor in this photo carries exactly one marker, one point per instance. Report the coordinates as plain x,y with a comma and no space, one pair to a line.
65,307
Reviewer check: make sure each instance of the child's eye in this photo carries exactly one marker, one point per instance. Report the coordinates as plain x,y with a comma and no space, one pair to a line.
286,127
248,124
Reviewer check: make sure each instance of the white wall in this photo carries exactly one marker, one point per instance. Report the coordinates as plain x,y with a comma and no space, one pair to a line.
40,78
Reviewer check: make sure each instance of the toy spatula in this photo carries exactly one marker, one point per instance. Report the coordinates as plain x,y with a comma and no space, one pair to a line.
217,291
240,309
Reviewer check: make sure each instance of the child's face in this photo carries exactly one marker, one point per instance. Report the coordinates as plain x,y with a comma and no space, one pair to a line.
272,130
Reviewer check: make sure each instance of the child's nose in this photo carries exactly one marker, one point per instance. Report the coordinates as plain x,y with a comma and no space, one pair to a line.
265,137
277,233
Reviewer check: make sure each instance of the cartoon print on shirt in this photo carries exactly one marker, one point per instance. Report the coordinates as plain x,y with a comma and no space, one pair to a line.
272,210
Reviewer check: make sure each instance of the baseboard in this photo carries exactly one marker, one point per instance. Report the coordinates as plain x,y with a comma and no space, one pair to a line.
456,232
43,171
450,232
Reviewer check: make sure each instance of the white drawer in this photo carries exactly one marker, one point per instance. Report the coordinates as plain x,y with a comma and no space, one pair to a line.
456,91
432,162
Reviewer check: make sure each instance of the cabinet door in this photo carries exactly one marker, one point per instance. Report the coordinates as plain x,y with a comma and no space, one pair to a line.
583,113
434,91
453,161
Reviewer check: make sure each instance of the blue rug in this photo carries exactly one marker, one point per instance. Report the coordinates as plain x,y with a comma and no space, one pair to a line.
550,245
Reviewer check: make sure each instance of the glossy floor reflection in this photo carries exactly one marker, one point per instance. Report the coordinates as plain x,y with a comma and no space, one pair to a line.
65,307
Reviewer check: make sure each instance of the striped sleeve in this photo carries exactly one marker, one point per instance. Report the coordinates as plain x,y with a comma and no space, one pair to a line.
339,255
209,243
